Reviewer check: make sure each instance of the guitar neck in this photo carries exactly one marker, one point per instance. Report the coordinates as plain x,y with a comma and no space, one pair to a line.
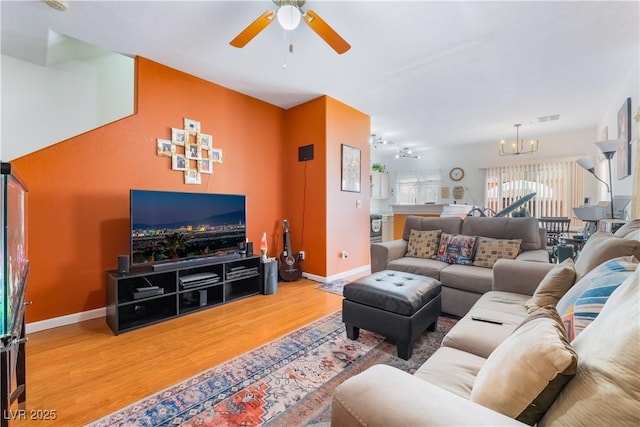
287,243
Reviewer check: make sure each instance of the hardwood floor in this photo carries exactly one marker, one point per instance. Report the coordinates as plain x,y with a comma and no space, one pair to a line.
84,372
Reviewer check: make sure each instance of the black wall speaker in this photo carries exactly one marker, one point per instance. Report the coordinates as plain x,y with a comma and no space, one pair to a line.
123,263
249,248
305,153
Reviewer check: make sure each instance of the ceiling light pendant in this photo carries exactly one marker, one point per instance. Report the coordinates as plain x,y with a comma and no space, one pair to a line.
289,17
376,140
59,5
405,153
518,147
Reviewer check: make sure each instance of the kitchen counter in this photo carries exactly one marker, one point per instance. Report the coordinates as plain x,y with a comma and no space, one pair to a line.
400,213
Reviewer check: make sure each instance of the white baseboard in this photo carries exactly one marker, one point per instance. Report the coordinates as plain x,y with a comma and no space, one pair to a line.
353,272
65,320
102,312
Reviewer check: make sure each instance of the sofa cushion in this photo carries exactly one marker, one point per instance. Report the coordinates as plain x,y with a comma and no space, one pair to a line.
451,369
537,255
490,250
450,225
425,267
506,228
467,277
582,303
423,244
457,248
603,246
553,287
628,229
606,387
523,376
482,338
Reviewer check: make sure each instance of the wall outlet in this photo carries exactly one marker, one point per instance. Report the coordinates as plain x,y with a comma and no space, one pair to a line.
344,255
302,255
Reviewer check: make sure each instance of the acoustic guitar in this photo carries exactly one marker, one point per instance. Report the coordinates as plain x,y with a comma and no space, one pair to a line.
289,261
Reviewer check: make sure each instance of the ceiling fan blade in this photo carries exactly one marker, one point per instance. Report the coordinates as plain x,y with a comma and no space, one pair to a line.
327,33
253,29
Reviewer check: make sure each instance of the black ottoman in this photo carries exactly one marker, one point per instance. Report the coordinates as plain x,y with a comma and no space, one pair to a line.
397,305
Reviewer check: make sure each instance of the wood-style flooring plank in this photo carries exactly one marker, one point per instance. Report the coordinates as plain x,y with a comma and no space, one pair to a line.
84,372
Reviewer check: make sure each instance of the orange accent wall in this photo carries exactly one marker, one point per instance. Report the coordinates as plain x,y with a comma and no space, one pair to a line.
330,221
305,182
78,217
347,225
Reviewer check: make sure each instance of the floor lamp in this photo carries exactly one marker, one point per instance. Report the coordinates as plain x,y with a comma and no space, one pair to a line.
608,148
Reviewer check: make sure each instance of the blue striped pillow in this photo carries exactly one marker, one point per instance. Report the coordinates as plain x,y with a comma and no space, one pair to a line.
583,302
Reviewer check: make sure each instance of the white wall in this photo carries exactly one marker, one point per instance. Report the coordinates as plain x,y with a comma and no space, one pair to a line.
474,158
629,88
567,145
45,105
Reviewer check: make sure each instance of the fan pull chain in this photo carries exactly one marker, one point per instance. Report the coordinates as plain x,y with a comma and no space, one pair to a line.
284,51
284,59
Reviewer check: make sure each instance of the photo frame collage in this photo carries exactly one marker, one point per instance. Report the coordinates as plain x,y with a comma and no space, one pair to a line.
191,151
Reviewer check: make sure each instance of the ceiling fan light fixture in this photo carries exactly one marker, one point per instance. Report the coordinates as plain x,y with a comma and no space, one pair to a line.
405,153
289,17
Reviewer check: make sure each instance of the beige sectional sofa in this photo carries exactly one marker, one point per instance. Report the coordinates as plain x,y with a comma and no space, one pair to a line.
483,372
462,285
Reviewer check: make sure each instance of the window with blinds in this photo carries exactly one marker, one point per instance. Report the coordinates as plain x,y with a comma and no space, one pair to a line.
558,187
418,187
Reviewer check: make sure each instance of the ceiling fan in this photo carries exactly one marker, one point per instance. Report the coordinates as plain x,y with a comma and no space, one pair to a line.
289,13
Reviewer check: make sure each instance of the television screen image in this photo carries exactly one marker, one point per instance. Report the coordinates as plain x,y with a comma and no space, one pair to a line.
169,225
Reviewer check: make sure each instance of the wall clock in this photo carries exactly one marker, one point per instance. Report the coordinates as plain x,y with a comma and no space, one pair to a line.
456,174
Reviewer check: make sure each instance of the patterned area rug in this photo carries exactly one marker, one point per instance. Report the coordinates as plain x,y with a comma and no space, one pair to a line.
334,287
289,381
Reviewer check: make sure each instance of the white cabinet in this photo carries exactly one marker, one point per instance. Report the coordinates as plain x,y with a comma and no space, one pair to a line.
379,185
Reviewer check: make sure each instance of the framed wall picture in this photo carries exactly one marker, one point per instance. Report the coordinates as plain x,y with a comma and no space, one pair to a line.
205,166
165,147
192,151
216,155
191,126
192,176
178,162
205,141
350,169
624,134
178,136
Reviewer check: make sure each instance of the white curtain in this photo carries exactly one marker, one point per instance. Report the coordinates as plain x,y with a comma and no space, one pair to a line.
558,186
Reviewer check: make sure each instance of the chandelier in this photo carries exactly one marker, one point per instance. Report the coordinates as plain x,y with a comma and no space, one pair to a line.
405,153
518,147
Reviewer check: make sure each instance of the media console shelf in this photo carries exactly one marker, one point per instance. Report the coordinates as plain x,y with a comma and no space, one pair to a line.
143,296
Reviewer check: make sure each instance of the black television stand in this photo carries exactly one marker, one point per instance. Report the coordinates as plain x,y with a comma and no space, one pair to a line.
144,296
193,262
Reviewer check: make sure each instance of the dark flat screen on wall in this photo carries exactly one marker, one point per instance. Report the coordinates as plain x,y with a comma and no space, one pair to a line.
169,225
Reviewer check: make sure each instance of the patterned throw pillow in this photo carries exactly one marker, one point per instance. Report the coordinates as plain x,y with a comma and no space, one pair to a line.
605,388
583,302
603,246
491,250
457,249
538,361
423,244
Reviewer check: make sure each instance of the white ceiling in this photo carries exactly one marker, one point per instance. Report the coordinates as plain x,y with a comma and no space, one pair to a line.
428,73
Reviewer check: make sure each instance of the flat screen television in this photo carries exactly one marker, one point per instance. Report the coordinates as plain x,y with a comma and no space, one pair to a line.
168,225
